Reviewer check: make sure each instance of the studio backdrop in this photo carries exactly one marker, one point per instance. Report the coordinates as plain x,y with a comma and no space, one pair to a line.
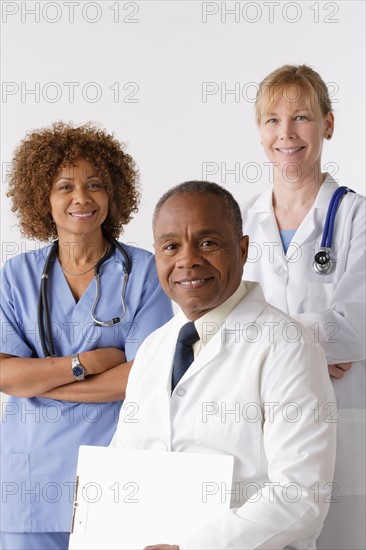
176,81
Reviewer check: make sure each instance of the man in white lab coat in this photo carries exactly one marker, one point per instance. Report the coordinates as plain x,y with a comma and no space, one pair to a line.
258,388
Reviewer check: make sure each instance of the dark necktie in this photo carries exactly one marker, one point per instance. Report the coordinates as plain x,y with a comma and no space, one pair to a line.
183,356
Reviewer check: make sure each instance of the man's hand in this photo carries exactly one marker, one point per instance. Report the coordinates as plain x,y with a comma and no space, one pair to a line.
338,371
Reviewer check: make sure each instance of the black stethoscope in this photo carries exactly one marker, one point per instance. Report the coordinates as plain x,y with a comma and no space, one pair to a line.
323,264
44,328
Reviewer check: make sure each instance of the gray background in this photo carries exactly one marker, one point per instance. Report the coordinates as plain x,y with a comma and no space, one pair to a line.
159,75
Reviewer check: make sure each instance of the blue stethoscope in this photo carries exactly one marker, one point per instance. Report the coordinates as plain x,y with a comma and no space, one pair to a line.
44,321
323,264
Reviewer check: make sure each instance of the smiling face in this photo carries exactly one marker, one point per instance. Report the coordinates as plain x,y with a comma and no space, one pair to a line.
198,257
79,201
292,134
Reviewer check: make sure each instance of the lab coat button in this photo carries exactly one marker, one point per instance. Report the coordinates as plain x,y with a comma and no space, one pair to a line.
181,392
281,269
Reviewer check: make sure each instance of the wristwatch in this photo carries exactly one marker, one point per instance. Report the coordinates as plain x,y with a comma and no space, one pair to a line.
77,369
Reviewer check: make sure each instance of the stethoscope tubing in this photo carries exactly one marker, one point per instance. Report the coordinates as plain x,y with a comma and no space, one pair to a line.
328,231
43,309
44,321
323,264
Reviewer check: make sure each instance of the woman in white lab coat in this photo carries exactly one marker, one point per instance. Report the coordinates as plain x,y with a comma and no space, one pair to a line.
285,226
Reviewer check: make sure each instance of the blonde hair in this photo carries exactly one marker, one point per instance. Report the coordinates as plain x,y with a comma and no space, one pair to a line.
300,77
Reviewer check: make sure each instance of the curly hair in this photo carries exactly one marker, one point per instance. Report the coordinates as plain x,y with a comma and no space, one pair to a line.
38,159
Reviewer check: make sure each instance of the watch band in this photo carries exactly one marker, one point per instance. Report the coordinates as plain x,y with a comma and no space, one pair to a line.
77,369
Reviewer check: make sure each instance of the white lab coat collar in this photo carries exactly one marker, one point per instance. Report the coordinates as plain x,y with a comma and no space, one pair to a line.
325,193
316,215
263,203
244,313
210,323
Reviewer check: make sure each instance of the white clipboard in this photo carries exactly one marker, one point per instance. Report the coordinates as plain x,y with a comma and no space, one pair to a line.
127,499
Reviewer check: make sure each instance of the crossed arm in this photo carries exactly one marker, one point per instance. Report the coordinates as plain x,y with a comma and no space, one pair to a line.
106,376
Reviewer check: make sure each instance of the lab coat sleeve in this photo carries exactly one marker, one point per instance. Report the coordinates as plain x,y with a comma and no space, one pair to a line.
341,328
299,442
155,308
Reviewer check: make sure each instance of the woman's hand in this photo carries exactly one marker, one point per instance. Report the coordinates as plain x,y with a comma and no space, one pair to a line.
99,388
31,376
339,370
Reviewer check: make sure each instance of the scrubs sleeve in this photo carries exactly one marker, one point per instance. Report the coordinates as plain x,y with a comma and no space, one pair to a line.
12,336
155,309
341,327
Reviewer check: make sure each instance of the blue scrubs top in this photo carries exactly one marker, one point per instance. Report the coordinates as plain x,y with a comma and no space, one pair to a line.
286,237
40,437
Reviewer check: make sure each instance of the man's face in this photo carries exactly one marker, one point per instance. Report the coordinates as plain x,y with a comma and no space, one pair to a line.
199,260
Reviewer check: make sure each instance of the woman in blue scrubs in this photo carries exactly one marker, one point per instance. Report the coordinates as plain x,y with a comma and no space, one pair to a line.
75,184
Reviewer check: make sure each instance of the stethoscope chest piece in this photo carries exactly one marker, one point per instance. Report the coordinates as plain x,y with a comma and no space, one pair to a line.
323,264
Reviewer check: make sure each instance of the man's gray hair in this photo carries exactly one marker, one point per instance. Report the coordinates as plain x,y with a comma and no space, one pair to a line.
201,188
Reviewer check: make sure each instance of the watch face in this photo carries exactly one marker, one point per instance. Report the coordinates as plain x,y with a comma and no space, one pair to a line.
78,371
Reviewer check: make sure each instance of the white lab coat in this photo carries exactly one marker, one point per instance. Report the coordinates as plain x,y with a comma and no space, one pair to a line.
272,376
333,307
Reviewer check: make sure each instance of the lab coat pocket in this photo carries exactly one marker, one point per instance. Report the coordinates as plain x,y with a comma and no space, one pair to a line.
15,493
320,296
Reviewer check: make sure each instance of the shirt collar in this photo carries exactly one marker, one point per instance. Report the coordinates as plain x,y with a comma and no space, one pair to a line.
210,323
